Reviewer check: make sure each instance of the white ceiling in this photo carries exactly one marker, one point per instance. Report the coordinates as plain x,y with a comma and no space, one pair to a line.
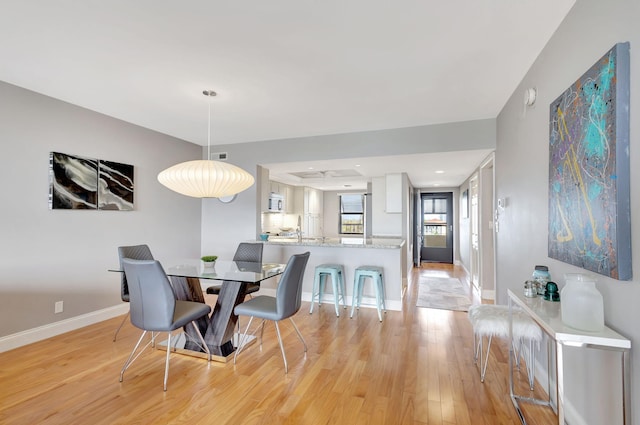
281,68
433,170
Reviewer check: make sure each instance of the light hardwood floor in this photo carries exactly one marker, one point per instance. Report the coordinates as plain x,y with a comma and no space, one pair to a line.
416,367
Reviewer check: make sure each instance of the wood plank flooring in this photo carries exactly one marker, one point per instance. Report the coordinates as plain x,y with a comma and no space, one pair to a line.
416,367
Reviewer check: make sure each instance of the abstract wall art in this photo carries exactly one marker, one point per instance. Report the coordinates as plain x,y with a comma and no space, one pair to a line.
589,194
73,182
115,186
86,183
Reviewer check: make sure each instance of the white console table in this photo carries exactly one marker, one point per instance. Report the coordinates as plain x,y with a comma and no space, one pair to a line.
547,315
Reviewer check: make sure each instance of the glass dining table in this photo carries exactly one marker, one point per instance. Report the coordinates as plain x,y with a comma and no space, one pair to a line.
188,277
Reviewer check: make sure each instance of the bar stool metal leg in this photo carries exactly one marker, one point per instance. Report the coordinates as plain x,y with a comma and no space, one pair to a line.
336,291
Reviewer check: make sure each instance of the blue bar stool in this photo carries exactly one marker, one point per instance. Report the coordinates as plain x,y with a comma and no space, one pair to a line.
336,272
376,275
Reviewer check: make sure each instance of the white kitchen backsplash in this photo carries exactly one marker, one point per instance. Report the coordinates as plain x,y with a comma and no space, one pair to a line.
275,223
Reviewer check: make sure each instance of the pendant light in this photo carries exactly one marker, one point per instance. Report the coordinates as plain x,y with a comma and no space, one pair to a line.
206,178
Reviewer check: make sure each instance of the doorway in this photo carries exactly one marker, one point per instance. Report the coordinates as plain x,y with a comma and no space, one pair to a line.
437,227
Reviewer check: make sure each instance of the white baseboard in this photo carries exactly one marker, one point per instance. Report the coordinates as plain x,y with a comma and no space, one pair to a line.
367,302
488,294
29,336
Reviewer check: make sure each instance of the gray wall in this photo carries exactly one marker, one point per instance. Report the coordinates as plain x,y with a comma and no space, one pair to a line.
57,255
591,28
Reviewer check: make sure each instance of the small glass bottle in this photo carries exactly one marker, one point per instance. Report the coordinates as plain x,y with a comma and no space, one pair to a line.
530,289
542,276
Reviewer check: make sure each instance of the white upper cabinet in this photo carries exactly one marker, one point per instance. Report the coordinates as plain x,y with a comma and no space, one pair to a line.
288,194
313,201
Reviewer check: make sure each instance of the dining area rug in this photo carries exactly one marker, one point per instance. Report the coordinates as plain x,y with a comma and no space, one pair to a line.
443,293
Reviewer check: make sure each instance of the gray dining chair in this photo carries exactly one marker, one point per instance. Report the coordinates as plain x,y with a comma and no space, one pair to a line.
246,252
135,252
153,307
284,305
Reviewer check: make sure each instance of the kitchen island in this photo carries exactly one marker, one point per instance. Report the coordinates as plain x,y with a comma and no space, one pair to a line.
352,252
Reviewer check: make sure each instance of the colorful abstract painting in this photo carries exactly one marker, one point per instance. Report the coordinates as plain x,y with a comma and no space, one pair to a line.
589,211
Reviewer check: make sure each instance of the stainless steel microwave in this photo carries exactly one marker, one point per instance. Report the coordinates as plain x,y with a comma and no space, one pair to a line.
276,202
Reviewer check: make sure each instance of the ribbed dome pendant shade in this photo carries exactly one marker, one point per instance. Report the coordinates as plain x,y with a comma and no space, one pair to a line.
206,178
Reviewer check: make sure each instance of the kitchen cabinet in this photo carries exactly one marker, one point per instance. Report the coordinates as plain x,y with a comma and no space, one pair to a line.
274,187
383,223
289,196
313,201
312,225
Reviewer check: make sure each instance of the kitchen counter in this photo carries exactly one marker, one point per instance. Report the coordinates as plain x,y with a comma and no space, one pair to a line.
341,242
385,252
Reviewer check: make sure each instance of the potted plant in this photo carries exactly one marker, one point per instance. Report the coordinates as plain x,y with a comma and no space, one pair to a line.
209,260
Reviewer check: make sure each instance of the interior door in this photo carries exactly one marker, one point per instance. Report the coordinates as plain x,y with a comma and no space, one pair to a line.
437,227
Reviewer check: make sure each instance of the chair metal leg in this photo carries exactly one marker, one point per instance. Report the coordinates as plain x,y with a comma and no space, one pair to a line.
299,334
343,290
166,363
284,357
204,344
361,281
483,367
120,327
384,306
131,358
238,322
316,286
243,340
336,292
355,302
378,300
476,346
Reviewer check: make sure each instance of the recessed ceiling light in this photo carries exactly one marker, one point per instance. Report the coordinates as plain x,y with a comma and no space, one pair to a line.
436,184
310,168
439,171
357,165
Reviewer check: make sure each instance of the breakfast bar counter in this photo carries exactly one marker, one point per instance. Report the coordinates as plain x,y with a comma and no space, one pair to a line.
341,242
352,252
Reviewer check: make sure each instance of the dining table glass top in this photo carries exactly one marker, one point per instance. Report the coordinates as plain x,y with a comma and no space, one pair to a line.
238,271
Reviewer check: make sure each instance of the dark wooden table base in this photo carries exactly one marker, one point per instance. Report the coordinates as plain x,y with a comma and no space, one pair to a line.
218,330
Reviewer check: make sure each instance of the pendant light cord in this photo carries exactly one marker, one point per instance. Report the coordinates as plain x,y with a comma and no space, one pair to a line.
210,94
209,133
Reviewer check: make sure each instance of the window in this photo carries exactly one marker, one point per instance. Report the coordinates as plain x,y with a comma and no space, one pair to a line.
352,214
434,222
